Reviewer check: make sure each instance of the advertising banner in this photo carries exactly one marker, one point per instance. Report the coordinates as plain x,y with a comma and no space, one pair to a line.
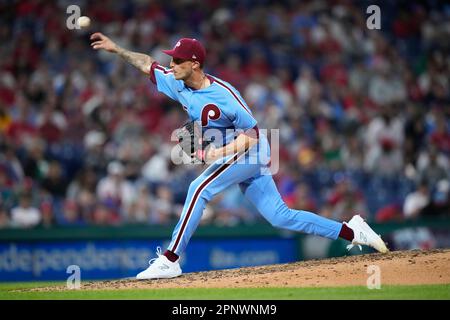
107,259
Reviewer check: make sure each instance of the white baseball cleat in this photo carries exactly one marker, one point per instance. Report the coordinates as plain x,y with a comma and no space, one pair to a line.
160,268
364,235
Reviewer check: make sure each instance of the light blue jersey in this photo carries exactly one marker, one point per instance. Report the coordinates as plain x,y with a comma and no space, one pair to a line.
220,106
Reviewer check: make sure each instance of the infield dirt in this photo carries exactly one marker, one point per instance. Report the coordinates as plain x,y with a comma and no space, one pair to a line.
414,267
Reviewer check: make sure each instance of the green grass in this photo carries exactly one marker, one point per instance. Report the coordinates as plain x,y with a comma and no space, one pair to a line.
433,292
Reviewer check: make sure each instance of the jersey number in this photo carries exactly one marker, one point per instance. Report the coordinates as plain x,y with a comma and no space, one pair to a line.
210,111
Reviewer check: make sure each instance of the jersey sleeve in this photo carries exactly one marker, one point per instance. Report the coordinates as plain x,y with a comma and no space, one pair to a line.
164,80
241,115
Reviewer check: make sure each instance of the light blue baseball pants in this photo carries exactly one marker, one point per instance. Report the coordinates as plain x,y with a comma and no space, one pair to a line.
258,188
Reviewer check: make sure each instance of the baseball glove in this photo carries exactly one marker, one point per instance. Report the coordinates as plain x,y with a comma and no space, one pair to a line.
190,139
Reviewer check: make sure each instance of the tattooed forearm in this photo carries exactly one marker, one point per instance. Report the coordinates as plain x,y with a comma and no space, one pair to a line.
139,60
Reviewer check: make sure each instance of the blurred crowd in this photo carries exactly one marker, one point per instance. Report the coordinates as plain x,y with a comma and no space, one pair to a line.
363,114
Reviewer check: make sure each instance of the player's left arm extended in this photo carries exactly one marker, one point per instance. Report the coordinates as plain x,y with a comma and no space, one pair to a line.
243,141
141,61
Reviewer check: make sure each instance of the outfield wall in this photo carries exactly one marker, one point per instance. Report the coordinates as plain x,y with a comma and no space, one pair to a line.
120,252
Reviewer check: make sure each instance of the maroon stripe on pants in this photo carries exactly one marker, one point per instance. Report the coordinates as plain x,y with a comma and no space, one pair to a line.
197,193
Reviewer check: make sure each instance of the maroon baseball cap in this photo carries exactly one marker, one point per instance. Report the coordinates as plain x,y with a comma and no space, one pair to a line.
188,49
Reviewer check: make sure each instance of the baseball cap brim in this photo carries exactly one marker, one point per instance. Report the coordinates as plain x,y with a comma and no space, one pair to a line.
173,54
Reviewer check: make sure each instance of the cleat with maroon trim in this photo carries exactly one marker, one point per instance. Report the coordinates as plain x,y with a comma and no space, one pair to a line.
160,268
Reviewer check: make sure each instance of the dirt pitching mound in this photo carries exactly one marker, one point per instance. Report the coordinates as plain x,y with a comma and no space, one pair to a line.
397,268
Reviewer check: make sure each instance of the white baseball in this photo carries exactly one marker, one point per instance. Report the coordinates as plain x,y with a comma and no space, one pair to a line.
84,21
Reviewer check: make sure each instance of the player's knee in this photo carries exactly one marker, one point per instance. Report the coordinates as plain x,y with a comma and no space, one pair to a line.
206,194
277,223
195,189
281,208
194,186
282,214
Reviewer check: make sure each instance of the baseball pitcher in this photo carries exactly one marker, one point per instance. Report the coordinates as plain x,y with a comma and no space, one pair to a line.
215,104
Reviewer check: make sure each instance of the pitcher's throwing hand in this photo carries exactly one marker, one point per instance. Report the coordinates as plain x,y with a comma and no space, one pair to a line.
102,42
